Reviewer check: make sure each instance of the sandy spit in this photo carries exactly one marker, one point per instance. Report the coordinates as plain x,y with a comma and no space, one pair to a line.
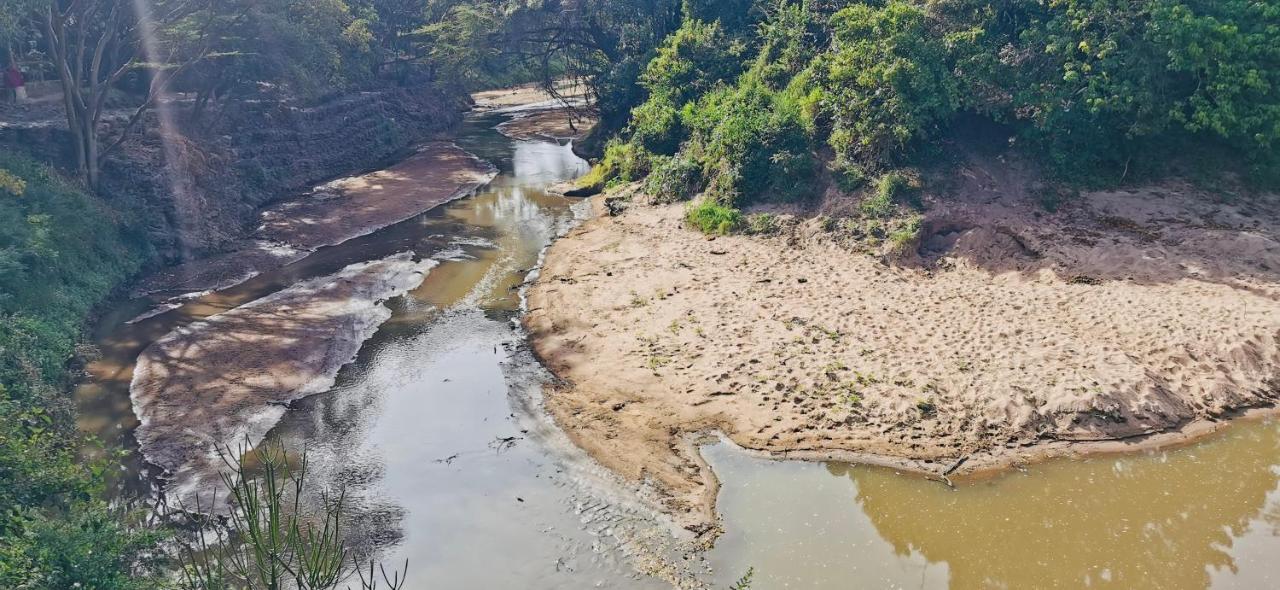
333,213
1134,318
558,124
228,380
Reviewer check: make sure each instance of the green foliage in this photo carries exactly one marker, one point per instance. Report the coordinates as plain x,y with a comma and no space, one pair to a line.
12,184
744,583
61,252
655,125
276,544
751,143
1099,90
674,178
692,61
1099,86
889,191
905,236
886,81
296,48
849,177
92,546
712,218
763,224
622,162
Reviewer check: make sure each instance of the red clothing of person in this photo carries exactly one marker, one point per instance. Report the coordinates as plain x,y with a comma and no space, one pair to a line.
13,77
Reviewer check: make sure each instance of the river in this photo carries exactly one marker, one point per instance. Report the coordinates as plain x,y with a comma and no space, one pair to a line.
437,434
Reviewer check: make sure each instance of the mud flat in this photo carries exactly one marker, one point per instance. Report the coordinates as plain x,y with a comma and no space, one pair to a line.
227,380
333,213
1129,319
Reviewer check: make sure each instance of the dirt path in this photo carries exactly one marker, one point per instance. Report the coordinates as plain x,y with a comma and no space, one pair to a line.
333,213
227,380
1016,335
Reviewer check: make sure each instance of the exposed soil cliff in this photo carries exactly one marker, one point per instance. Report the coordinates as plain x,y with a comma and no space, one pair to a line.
250,155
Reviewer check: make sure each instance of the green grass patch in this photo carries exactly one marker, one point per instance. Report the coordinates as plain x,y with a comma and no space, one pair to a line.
713,218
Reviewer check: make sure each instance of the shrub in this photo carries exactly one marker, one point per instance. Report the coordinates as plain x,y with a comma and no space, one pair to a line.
622,162
905,236
712,218
763,224
752,143
655,125
891,188
674,178
887,80
61,252
849,177
695,58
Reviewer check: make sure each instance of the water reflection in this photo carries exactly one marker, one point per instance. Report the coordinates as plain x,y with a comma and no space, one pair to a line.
421,429
1197,517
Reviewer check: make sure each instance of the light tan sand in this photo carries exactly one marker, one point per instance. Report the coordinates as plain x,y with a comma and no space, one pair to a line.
526,95
227,380
1015,334
333,213
550,124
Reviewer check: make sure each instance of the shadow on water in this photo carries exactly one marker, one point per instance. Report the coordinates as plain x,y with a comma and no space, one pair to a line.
1202,516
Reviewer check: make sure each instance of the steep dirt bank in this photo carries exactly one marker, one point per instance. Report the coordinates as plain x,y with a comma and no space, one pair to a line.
1010,334
333,213
227,380
228,166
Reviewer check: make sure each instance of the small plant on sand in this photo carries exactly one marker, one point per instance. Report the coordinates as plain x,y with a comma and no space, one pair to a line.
849,393
891,188
712,218
830,334
637,300
902,238
926,407
744,583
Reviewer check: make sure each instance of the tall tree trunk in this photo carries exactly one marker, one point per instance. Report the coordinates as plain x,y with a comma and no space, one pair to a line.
92,176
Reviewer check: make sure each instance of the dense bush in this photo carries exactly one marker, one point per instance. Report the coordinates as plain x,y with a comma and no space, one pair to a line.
885,81
61,252
674,177
1097,89
622,162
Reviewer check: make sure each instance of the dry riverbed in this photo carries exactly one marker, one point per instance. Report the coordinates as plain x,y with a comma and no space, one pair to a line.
1130,318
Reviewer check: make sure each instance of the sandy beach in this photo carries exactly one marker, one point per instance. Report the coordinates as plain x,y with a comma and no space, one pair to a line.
1009,334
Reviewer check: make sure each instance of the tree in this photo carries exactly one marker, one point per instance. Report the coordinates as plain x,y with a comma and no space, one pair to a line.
92,45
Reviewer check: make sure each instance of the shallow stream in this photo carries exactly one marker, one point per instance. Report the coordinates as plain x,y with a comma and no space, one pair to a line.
436,431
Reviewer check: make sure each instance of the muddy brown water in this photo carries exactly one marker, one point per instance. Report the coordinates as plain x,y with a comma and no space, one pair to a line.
436,433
